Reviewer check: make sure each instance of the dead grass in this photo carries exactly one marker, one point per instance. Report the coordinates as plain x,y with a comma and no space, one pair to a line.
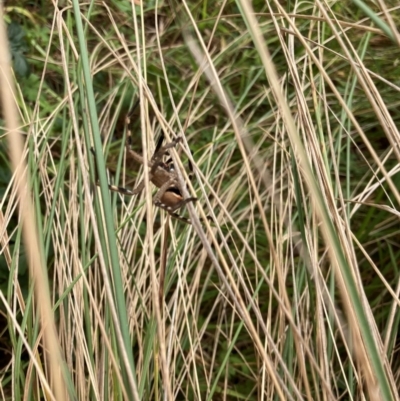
291,291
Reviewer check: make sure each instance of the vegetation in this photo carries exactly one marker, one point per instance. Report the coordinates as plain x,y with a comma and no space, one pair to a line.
289,289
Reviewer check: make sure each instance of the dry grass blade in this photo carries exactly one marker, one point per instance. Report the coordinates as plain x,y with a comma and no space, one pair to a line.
295,159
28,220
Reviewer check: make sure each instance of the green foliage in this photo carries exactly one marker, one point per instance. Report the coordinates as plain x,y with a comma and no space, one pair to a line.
18,48
269,234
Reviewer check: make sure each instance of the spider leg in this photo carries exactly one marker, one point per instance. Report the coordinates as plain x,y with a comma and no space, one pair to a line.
128,142
126,191
157,159
130,113
170,199
182,203
178,217
163,189
122,190
169,162
160,152
177,203
190,174
159,143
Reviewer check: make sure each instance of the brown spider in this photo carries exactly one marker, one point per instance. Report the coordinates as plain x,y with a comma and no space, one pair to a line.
162,175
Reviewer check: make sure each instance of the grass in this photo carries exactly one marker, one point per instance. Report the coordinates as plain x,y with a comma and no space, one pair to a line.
291,291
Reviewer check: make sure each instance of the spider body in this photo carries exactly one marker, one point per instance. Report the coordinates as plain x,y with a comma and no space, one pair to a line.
162,175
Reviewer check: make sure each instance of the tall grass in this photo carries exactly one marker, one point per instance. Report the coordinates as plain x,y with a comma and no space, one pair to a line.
286,285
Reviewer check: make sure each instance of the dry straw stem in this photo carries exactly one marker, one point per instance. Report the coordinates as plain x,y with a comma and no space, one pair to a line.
208,69
372,364
107,284
206,66
252,320
27,218
149,208
111,266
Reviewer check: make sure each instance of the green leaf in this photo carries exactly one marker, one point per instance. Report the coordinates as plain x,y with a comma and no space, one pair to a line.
21,66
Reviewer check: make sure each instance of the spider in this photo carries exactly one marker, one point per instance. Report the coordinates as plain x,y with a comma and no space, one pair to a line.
162,175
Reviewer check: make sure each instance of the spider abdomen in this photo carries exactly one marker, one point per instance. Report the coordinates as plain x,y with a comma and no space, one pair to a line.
171,199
